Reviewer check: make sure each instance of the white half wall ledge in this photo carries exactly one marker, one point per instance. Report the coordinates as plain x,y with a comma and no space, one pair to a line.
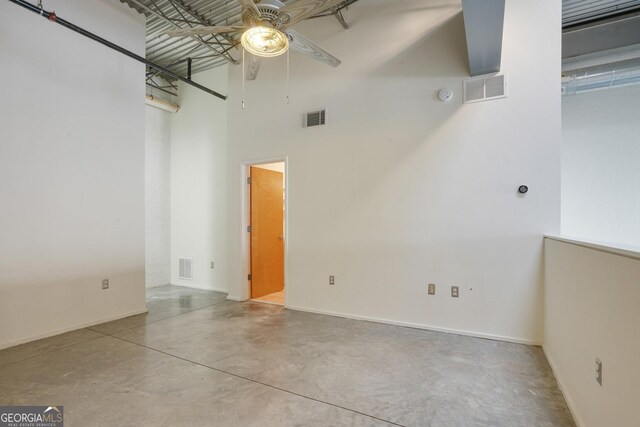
628,251
592,295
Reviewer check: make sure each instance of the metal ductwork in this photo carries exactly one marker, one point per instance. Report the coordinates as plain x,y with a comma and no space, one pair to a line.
483,26
600,37
601,54
575,12
613,75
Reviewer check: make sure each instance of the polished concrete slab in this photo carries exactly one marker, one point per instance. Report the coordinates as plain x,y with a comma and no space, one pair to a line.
110,382
46,345
164,302
230,363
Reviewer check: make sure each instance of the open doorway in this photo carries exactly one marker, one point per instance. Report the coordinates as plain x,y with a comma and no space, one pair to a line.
267,232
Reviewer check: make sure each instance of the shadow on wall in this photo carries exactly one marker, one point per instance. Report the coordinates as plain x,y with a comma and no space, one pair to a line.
440,52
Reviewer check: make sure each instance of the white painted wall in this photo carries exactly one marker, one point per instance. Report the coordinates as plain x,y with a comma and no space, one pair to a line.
199,182
157,197
71,170
400,189
600,165
591,310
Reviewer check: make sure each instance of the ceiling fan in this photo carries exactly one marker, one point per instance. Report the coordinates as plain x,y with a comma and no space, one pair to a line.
266,33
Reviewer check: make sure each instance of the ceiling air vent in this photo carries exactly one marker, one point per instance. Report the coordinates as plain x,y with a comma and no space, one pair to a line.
184,269
314,118
485,88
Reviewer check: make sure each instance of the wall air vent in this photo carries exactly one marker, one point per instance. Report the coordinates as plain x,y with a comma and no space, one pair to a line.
314,118
184,269
485,88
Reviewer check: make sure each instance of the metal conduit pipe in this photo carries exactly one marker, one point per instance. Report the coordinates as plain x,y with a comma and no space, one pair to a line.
51,16
590,80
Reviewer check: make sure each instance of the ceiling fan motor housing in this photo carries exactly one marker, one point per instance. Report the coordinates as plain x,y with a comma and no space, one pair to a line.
269,15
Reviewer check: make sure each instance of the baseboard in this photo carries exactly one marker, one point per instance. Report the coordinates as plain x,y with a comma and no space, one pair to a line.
267,302
157,286
563,389
417,326
70,329
201,287
235,298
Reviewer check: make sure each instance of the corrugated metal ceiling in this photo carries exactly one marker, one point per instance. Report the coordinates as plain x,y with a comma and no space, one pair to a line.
579,11
206,51
211,51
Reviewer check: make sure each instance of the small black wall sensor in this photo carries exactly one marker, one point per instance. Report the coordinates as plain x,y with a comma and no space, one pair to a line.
523,189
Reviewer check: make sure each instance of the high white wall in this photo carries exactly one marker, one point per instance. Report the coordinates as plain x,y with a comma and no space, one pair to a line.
199,182
600,165
71,169
591,310
400,189
157,197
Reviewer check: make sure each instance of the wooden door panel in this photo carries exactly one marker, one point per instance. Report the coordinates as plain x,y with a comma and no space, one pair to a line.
267,232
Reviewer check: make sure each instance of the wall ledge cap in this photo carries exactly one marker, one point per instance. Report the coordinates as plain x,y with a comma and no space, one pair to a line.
627,251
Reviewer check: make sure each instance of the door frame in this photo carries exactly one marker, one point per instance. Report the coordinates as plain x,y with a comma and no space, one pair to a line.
245,239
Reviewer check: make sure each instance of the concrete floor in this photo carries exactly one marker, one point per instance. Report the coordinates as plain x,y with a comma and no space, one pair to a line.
197,360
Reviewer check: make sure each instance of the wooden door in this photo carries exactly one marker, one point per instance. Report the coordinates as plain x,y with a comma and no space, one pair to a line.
267,232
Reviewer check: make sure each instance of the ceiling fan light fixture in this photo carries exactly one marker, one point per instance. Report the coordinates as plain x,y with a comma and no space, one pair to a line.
265,41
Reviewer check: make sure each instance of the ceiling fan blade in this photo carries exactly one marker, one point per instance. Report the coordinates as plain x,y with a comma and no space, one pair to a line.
302,44
253,67
303,9
203,31
251,5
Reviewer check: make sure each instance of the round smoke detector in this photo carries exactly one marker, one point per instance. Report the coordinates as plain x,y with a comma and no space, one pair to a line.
445,95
